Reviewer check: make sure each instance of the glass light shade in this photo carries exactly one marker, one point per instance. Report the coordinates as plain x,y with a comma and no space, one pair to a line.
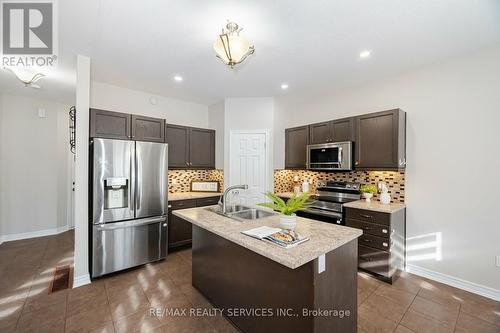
232,49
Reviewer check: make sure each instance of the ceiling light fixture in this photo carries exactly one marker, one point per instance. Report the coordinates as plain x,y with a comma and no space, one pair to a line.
284,86
364,54
178,78
230,47
27,76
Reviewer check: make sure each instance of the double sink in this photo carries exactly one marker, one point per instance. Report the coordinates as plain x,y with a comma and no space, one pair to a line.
242,213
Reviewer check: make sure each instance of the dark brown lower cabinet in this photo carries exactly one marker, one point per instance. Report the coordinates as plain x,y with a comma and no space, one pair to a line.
382,247
180,231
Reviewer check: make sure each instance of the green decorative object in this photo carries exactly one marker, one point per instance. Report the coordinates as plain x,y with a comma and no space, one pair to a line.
290,207
368,188
368,191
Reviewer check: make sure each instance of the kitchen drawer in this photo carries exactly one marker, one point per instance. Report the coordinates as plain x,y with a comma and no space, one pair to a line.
368,216
374,241
370,228
182,204
207,201
374,260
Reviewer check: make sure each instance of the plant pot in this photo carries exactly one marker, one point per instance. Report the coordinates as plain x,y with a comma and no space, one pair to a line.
368,196
288,221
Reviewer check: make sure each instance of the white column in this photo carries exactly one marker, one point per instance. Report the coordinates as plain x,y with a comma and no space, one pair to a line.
81,272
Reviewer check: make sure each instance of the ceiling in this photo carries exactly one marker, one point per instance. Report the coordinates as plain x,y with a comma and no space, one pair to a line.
310,45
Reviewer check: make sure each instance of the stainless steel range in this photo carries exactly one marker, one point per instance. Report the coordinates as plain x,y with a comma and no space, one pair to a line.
328,204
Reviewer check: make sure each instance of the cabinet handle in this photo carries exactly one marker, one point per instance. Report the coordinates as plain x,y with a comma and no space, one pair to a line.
385,244
384,231
169,206
366,216
367,228
367,240
356,163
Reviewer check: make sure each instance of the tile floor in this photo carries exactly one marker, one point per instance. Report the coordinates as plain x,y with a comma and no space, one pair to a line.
121,303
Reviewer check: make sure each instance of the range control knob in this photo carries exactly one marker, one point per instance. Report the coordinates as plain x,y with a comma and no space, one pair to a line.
348,186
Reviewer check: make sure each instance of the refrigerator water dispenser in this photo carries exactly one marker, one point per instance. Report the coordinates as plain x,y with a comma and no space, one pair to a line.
115,193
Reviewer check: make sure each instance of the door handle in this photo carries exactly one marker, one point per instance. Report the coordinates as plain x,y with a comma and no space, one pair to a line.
129,224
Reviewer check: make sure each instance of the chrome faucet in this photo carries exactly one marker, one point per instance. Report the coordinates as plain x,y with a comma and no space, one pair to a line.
226,192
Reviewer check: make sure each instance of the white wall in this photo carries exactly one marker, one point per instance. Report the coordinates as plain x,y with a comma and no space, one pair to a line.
452,177
81,272
248,114
114,98
216,121
34,175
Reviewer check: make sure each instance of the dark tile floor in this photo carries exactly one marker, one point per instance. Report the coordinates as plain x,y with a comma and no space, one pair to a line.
121,303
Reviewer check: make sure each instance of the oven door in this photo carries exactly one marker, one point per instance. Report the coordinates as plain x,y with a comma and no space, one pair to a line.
322,215
330,156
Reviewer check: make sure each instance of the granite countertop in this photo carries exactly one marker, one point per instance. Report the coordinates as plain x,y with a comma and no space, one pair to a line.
376,206
191,195
325,237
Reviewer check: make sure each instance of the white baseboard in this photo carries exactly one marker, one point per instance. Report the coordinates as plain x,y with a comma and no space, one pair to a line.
33,234
454,282
81,280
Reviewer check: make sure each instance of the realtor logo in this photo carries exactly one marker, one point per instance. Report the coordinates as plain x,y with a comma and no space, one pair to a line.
28,29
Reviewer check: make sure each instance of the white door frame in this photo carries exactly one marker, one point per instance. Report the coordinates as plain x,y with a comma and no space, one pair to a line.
267,153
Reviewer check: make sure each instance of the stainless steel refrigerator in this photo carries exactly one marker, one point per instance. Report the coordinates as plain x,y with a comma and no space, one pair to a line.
129,204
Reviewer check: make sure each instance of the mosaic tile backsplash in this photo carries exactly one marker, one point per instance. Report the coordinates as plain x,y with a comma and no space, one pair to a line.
180,180
283,180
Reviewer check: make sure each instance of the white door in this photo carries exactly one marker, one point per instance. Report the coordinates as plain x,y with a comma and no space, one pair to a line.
249,165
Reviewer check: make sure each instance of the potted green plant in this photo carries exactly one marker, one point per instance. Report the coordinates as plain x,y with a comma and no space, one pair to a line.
287,210
368,191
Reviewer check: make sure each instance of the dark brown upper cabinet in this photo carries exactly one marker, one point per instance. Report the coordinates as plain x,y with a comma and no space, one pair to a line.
201,148
296,141
117,125
381,140
320,133
177,138
110,125
332,131
190,148
148,129
343,129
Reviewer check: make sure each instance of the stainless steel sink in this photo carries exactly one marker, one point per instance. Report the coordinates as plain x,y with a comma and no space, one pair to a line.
251,214
242,213
230,209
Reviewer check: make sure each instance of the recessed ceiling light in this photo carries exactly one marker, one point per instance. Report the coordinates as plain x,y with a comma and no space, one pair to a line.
364,54
284,86
178,78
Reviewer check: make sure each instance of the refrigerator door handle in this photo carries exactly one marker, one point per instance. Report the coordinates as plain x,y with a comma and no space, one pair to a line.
132,192
130,224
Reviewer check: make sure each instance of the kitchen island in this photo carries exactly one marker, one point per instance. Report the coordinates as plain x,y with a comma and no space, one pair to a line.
261,287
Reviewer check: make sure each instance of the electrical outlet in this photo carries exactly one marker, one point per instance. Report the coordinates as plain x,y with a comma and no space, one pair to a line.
498,261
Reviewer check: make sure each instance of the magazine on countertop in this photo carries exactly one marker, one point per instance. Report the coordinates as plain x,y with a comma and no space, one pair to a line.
283,238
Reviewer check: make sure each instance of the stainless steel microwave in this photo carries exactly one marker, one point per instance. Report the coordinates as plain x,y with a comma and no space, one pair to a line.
336,156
